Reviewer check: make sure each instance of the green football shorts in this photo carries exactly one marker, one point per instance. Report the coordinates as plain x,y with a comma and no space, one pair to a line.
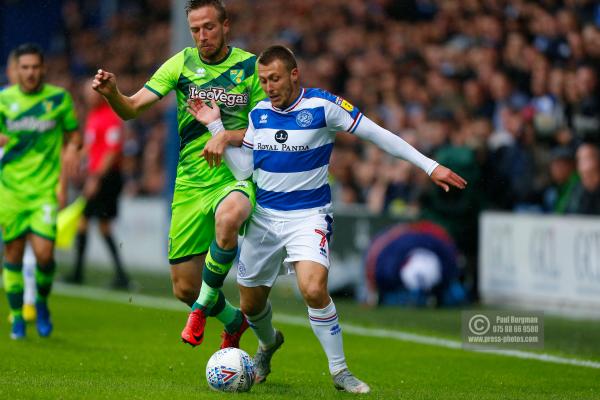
35,214
193,217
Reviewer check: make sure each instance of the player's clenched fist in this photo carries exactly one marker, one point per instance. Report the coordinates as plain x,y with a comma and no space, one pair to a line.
105,83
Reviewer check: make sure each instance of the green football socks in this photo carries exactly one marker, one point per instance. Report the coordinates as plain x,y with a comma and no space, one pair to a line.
229,316
216,266
12,277
44,276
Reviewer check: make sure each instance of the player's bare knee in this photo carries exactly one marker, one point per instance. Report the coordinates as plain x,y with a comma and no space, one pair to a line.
14,251
230,219
226,231
315,295
232,213
14,257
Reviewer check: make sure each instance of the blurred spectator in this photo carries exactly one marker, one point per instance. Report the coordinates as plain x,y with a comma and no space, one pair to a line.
512,162
585,111
477,105
546,108
586,195
135,38
458,211
514,79
414,264
504,96
563,178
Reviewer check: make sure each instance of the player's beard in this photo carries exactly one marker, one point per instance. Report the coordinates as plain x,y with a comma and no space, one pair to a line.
214,55
31,84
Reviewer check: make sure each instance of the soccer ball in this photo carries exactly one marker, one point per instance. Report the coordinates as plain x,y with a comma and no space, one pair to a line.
230,370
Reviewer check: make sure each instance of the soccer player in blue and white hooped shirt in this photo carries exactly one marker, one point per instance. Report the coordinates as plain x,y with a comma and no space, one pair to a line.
287,147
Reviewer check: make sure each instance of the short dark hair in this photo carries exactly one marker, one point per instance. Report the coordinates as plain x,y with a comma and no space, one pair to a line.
217,4
278,52
28,48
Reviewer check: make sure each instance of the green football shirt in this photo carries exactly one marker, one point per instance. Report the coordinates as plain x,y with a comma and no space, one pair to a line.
35,124
233,83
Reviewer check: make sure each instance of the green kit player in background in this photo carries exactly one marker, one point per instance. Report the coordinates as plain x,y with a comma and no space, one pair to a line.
209,206
34,120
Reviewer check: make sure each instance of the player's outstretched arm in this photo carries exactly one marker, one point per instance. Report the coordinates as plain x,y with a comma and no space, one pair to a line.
127,107
238,159
3,140
394,145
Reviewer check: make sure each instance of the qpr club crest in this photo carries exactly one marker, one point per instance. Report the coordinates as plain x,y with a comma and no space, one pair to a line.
304,118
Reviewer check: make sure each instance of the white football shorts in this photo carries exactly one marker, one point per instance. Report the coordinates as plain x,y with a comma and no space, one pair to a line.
272,244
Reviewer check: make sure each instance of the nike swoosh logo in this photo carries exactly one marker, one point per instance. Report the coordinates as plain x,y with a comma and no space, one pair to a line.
198,337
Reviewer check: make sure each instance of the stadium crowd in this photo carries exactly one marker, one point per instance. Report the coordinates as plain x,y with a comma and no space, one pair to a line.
132,41
503,92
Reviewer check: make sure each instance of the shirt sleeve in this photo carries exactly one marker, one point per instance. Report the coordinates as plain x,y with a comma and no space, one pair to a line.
240,160
69,120
248,140
392,144
165,78
340,114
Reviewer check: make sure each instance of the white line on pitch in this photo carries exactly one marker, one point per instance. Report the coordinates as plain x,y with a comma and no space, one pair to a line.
174,305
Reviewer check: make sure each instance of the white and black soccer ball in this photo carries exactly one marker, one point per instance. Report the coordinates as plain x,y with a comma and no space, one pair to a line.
230,370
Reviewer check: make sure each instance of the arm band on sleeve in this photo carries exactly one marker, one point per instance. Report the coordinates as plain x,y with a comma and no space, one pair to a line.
393,144
215,127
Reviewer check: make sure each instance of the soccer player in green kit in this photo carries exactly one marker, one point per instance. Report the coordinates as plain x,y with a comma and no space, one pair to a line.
209,206
34,118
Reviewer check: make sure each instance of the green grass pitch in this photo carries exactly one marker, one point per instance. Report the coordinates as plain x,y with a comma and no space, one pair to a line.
105,350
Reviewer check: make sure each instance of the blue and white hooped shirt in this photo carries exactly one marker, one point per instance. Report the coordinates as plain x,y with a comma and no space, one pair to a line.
292,147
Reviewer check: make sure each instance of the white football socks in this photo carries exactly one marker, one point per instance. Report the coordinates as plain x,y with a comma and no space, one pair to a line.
262,326
324,323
